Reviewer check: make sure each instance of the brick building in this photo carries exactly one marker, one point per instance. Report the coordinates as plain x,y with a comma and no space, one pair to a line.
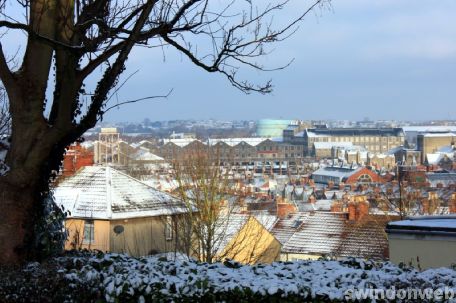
378,140
431,142
337,175
75,158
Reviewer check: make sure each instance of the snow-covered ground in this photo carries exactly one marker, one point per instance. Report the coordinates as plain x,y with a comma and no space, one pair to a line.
121,277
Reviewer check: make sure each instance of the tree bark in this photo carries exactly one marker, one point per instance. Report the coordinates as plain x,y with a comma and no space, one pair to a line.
16,226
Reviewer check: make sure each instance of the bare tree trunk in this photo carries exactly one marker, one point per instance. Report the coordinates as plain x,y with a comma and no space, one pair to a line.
16,226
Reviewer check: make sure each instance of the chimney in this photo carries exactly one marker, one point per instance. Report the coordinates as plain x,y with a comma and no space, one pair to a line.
358,209
284,209
425,204
312,199
362,209
453,203
336,206
346,197
433,195
352,211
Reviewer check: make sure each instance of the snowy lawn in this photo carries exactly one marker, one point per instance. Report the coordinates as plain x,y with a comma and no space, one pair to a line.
119,278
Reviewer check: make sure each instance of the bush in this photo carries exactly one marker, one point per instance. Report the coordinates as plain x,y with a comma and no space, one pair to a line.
90,277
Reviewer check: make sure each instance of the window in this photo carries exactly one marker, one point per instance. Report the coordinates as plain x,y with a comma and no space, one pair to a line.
89,232
365,179
169,228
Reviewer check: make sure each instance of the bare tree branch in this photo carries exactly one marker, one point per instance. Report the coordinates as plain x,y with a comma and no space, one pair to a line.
138,100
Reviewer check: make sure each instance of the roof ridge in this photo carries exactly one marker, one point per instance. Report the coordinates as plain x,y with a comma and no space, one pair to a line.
108,176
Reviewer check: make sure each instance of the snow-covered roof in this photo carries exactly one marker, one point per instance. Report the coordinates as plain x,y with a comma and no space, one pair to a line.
326,233
319,205
87,144
180,142
101,192
439,135
434,159
336,171
429,128
380,155
328,132
444,224
277,139
443,178
254,141
286,227
143,154
311,134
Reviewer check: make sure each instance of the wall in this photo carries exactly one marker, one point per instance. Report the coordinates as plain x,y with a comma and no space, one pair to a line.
373,143
141,236
430,144
322,153
253,244
75,229
353,179
431,251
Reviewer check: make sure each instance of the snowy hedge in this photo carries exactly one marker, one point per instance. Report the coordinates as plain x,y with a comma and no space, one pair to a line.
119,278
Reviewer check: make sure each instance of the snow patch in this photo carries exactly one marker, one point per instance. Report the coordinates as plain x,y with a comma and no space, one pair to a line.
121,276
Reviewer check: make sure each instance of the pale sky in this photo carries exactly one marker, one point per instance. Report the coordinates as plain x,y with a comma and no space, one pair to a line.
382,59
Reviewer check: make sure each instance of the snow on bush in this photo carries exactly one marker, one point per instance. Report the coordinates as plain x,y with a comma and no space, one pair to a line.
150,279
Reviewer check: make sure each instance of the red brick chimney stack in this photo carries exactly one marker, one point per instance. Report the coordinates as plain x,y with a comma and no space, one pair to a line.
352,211
336,207
358,208
453,203
284,208
425,203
